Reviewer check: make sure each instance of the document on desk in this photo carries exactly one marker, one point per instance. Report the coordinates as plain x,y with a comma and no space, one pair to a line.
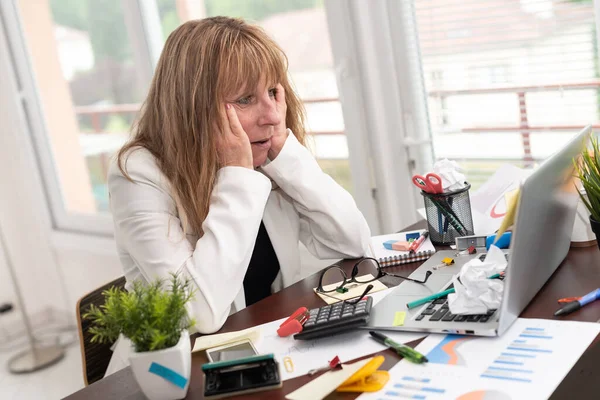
528,362
297,357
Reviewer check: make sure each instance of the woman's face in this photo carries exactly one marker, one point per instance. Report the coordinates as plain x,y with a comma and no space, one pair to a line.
258,116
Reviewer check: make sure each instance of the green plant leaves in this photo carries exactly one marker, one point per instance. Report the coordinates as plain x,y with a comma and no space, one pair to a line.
588,172
151,315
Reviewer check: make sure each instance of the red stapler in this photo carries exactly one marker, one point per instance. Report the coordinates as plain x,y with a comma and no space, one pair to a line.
294,323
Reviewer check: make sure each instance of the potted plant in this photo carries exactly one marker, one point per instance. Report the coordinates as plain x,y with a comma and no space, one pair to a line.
155,319
588,172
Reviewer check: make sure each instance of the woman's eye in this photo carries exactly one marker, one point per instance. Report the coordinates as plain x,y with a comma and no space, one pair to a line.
273,92
245,100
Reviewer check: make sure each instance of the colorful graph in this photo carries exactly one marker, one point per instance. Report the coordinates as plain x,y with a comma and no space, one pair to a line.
446,351
511,364
410,387
484,395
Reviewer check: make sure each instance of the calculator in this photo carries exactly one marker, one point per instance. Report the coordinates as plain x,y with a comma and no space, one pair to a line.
335,318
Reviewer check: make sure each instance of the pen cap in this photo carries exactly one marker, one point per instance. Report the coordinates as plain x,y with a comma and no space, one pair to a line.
448,215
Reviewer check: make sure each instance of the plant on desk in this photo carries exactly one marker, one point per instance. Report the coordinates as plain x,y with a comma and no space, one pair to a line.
588,172
155,319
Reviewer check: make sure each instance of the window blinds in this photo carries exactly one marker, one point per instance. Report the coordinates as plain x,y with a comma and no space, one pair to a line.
506,80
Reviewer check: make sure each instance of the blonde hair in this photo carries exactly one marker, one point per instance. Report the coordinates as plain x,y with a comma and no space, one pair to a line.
203,62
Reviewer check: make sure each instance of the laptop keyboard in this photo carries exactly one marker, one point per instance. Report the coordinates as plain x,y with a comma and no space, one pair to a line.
439,310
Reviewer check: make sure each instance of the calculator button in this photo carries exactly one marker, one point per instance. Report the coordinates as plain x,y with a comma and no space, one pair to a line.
490,312
321,321
460,318
432,305
420,317
473,318
314,311
485,318
308,324
439,301
429,311
334,318
360,313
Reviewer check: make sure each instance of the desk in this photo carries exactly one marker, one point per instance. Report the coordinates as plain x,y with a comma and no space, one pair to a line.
578,274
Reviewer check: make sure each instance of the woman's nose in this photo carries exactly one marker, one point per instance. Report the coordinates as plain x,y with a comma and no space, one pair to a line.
269,115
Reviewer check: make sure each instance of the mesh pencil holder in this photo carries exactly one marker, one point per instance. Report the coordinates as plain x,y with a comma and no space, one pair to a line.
448,215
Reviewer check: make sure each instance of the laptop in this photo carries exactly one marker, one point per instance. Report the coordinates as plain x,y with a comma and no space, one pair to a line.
540,242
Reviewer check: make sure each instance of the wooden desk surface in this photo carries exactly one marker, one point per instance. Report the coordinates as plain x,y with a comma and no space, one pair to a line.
577,275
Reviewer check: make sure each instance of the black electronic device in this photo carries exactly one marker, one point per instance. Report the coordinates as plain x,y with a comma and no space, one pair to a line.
335,318
244,375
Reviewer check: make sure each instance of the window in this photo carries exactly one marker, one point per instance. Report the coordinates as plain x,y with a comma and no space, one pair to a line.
88,66
82,85
520,78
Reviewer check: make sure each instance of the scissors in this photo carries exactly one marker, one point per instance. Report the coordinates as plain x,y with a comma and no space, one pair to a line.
430,183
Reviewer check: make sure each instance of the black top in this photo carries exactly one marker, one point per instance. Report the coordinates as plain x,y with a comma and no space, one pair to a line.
262,270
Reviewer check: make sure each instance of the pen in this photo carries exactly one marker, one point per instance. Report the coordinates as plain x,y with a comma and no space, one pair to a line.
427,299
577,304
405,351
417,243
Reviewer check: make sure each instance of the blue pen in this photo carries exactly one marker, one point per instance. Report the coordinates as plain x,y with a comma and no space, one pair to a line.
577,304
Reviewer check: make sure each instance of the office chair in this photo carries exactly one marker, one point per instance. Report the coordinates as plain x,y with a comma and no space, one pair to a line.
94,356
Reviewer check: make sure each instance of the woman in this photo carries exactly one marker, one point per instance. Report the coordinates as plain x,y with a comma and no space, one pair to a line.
216,183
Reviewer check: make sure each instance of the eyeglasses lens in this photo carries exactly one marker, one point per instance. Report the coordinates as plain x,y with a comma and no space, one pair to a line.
333,279
368,271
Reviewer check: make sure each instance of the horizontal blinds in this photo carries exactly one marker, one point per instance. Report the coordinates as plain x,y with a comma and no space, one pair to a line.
506,80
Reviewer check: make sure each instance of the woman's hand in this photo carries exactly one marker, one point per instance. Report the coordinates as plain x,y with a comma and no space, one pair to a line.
280,135
233,144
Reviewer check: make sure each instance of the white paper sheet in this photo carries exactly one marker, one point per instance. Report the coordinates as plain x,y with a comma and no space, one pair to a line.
488,203
297,357
527,362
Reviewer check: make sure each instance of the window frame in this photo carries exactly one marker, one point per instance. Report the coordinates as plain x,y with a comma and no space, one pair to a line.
142,22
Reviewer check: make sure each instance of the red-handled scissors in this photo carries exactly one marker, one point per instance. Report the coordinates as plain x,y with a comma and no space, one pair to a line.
430,183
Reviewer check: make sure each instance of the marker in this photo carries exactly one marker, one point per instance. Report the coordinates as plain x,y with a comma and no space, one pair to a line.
427,299
405,351
417,243
577,304
439,295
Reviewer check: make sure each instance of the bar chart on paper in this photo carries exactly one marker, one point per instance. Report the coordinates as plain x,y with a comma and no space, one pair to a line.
527,362
518,361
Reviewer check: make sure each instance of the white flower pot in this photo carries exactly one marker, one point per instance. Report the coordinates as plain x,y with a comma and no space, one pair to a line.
177,358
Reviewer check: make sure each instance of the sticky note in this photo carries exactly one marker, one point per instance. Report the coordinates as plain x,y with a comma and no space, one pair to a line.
168,374
399,318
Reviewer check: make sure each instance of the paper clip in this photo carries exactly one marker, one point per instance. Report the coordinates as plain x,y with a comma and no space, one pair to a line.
294,323
470,250
446,262
335,363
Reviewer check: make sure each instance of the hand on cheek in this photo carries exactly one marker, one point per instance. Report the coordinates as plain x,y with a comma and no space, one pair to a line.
280,135
233,145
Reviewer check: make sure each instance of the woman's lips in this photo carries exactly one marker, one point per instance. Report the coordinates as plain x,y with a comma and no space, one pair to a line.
265,144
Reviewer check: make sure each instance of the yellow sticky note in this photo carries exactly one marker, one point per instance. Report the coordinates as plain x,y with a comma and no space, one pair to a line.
399,318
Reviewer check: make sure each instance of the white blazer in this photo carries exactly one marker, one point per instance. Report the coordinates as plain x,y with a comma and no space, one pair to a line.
297,201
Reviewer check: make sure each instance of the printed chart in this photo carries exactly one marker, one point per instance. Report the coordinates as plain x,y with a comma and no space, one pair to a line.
518,361
447,351
528,362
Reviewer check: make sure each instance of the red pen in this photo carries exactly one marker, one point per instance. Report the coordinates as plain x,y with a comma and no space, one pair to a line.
417,243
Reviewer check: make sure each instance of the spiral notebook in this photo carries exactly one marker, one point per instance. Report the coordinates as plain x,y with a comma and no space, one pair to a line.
388,258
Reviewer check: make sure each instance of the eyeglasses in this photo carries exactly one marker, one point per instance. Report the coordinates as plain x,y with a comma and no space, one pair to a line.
366,270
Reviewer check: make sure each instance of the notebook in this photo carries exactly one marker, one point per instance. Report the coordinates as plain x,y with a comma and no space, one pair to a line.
388,258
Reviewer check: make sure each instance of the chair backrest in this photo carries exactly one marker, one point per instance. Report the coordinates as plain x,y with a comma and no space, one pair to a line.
94,356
